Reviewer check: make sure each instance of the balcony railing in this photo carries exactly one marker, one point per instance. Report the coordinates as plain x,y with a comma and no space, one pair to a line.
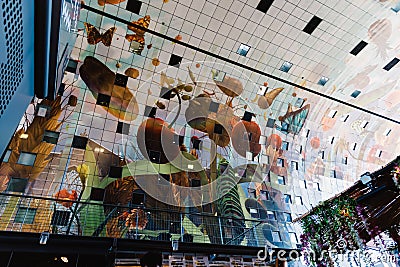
23,213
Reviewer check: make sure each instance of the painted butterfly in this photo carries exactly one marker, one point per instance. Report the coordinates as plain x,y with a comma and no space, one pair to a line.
137,40
94,36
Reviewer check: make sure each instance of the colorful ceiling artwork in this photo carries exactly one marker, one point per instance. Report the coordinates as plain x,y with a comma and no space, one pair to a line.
172,103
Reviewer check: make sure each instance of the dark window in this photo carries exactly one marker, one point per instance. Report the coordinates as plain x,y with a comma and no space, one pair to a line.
79,142
26,158
288,199
121,80
247,116
165,93
356,93
72,66
103,100
312,25
134,6
213,107
271,215
276,236
50,137
357,49
243,50
97,194
123,128
175,60
7,155
391,64
286,66
271,123
138,198
154,156
264,5
218,128
196,143
287,216
150,112
195,183
115,172
17,185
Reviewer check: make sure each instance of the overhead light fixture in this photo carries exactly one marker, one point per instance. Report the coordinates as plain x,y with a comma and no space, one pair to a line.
24,136
44,237
64,259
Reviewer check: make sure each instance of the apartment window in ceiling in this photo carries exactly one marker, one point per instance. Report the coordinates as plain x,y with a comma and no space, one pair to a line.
79,142
214,106
280,162
286,66
115,172
175,60
276,236
281,180
7,156
387,132
354,146
344,117
97,194
121,80
264,195
123,128
270,123
263,140
26,158
72,66
264,159
264,5
357,49
312,25
293,237
243,50
316,186
219,76
364,123
262,90
43,111
299,102
134,6
391,64
323,80
50,137
344,160
288,199
287,216
298,200
271,215
17,185
103,100
355,93
378,153
285,145
150,111
333,173
332,113
295,165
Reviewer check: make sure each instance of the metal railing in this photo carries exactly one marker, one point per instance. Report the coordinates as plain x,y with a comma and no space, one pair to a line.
24,213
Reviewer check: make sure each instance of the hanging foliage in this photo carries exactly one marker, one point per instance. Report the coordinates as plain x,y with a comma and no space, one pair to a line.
329,228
